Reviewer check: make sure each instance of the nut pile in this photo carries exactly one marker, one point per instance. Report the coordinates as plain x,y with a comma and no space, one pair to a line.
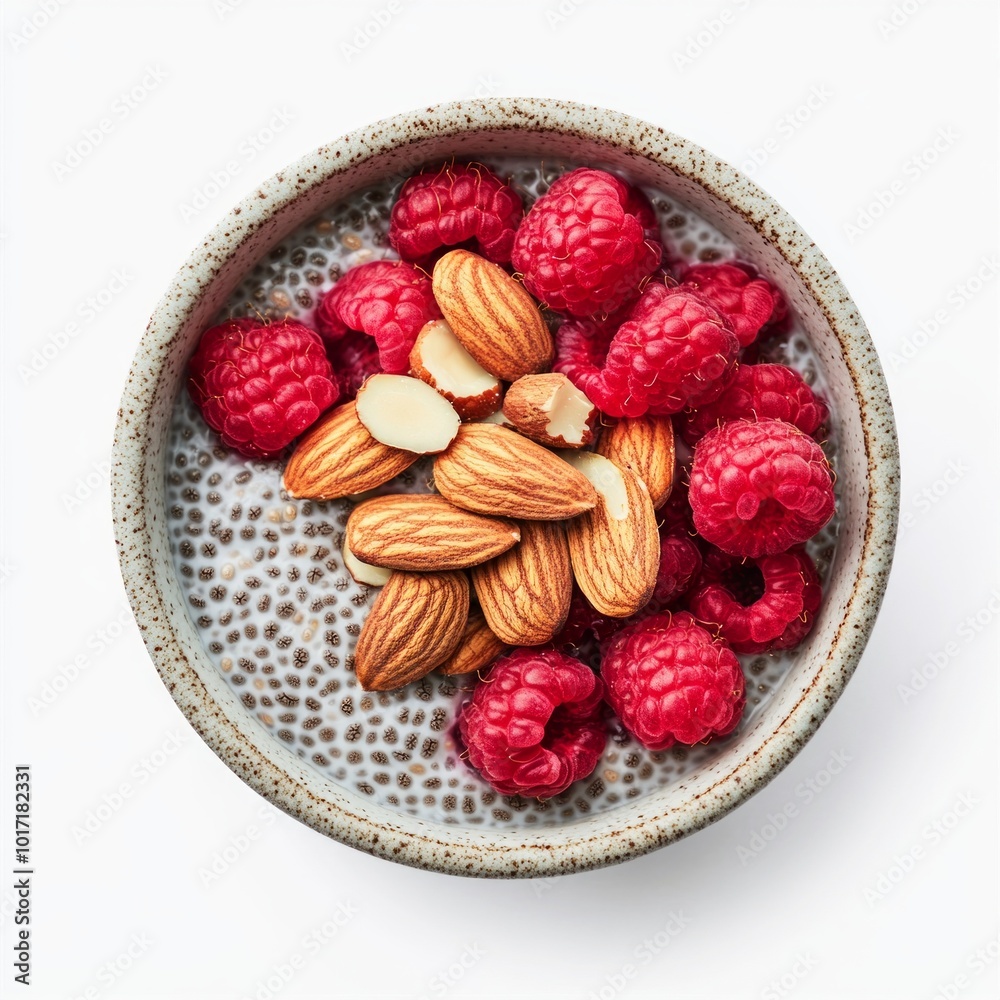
523,508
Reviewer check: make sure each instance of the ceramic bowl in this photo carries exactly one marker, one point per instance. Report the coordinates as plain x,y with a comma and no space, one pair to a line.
367,770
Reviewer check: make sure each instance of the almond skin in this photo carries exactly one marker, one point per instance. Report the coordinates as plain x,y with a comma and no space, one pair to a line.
646,446
492,470
615,549
478,648
415,624
492,315
425,533
339,457
549,409
525,593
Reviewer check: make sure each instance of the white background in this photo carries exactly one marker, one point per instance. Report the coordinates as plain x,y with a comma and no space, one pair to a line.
881,884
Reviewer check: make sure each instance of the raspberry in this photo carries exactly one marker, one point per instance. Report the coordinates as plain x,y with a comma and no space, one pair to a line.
759,488
759,392
584,618
758,605
261,386
354,357
673,351
457,203
680,563
748,302
388,299
670,681
535,723
581,347
587,244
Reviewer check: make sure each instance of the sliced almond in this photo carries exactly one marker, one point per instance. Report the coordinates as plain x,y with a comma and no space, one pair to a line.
614,548
549,409
424,532
493,315
403,412
415,624
478,648
439,359
365,573
493,470
646,446
525,593
338,457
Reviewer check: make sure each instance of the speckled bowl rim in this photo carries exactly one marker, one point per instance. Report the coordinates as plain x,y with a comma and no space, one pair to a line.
635,827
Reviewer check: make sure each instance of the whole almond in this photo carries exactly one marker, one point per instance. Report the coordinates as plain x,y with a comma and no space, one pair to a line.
415,624
615,548
525,593
493,470
478,648
493,316
338,457
424,532
646,446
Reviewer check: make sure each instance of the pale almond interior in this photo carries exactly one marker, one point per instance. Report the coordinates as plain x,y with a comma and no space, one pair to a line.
453,369
606,478
372,576
569,412
404,412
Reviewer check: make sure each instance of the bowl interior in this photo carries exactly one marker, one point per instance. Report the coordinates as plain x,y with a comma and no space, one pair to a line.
569,839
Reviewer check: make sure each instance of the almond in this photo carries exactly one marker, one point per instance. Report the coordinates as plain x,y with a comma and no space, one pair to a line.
338,457
493,470
424,532
525,592
404,412
415,624
365,573
478,648
493,315
439,359
551,410
614,548
646,446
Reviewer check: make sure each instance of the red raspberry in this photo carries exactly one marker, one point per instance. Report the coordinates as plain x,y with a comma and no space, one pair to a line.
388,299
759,392
535,723
261,386
758,605
673,351
759,488
354,357
587,244
581,347
680,563
670,681
454,204
584,618
748,302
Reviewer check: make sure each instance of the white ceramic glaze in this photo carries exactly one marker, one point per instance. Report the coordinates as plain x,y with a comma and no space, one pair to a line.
868,481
